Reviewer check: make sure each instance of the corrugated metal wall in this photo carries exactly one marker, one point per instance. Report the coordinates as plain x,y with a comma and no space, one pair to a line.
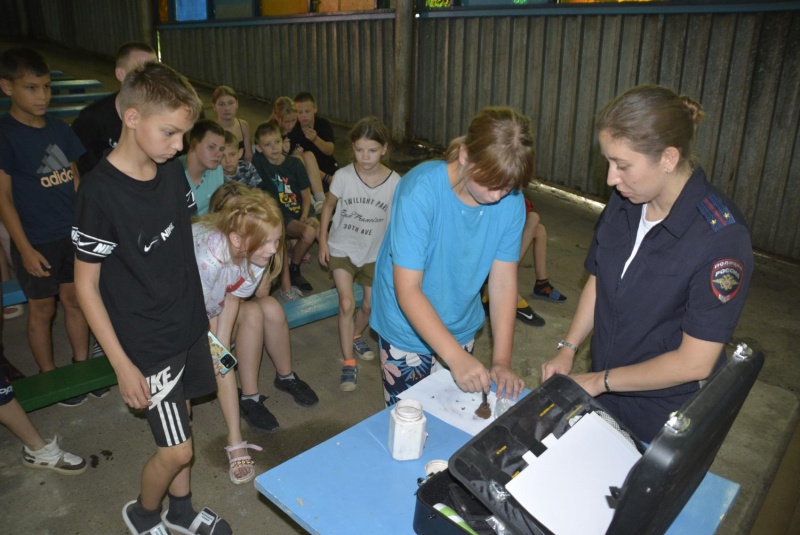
347,65
96,25
9,21
743,68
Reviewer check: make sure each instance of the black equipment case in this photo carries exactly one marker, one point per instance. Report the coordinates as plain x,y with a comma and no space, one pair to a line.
655,490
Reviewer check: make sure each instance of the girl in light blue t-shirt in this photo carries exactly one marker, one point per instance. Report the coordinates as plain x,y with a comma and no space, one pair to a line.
453,223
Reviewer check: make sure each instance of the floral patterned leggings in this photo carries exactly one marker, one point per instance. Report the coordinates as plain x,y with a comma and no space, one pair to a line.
404,369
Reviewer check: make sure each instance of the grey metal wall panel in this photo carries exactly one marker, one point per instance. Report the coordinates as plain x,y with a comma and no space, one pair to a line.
98,26
346,64
559,70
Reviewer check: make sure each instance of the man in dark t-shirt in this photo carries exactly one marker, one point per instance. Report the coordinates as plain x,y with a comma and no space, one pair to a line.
99,126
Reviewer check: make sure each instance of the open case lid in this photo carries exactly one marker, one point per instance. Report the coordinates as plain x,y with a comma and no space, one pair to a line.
657,487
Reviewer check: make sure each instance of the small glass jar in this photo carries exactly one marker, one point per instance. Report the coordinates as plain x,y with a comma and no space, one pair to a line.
407,430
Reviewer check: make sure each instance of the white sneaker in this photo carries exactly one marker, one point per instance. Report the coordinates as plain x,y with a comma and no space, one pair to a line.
54,458
318,207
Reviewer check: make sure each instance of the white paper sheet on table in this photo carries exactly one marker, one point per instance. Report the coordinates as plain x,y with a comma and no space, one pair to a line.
441,397
565,488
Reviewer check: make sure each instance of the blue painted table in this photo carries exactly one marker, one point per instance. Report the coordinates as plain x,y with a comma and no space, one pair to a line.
350,484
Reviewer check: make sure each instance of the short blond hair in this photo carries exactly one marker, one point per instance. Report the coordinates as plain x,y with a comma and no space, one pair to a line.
158,88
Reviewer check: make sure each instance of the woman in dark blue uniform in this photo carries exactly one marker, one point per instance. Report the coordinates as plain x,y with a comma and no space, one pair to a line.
669,265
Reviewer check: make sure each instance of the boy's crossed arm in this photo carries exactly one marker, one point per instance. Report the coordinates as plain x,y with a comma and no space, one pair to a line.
32,260
132,384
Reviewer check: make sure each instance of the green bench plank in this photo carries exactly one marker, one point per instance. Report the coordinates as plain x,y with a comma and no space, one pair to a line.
69,98
83,377
74,85
12,293
56,74
57,385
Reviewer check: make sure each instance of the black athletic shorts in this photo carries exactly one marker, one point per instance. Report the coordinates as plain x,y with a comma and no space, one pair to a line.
6,390
187,375
60,254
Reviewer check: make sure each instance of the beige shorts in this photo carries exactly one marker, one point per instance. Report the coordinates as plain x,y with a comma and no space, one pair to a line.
361,274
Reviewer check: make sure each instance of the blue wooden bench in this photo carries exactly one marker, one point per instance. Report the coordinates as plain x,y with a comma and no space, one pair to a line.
82,377
69,98
66,111
56,74
74,86
12,293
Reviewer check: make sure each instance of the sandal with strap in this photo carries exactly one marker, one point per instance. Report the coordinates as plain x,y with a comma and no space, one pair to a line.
245,461
207,522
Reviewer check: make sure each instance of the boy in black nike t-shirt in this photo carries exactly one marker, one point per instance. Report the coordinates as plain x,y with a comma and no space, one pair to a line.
138,284
38,178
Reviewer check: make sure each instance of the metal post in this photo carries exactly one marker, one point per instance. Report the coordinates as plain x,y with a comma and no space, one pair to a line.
403,82
146,8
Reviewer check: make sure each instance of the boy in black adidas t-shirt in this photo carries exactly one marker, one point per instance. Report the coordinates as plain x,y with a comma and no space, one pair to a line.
38,178
140,289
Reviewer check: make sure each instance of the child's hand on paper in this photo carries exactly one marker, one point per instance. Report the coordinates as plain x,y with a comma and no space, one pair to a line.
506,380
468,373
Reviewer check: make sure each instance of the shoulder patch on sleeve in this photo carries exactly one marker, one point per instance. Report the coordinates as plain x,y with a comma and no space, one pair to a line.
715,212
726,278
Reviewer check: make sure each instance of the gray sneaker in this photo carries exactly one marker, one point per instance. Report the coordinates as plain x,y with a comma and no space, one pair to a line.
349,379
293,294
361,349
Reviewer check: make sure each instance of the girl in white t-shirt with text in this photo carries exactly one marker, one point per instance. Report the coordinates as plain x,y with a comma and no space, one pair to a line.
364,191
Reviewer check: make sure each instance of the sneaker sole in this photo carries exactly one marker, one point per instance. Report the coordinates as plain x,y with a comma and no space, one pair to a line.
364,356
98,396
62,471
543,298
347,387
70,405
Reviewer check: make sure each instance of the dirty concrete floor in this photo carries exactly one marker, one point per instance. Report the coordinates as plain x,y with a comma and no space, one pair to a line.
117,440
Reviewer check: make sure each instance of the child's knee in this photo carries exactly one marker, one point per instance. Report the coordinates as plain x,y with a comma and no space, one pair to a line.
250,316
272,310
532,220
347,305
309,234
309,158
42,309
541,232
178,455
366,308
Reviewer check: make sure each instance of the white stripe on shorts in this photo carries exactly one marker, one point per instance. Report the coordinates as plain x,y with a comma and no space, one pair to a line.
172,425
164,424
178,419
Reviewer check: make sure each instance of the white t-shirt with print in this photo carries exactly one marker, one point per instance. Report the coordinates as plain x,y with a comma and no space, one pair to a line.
218,273
362,215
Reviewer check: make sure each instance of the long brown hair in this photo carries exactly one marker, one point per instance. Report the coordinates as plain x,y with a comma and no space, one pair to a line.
253,215
651,118
499,149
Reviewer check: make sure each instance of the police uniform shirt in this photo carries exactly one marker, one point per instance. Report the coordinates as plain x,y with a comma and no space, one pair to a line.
691,274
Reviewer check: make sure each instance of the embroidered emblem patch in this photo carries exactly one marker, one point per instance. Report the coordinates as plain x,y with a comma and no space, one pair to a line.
726,278
715,212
